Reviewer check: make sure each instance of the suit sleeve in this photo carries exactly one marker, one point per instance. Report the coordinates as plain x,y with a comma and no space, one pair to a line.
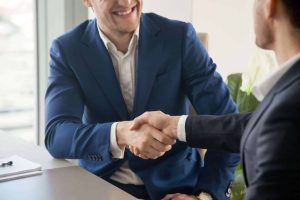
208,95
66,135
216,132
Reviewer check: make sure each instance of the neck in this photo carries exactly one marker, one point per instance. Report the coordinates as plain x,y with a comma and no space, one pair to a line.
287,44
120,40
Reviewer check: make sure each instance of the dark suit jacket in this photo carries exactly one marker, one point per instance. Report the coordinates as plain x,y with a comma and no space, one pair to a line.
269,140
84,99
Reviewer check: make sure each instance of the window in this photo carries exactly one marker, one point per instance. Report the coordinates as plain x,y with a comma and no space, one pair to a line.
18,68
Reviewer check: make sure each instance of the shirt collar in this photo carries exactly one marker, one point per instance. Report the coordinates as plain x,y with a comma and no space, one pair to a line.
261,89
110,45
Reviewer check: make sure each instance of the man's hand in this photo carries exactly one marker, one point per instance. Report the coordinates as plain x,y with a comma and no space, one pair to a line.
179,196
158,120
150,142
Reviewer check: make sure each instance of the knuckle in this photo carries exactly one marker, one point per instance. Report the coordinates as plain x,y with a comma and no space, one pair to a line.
165,140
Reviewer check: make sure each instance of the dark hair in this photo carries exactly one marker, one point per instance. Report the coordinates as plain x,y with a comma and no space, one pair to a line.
293,11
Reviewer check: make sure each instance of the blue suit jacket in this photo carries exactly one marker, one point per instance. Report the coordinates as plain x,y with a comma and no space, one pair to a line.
84,99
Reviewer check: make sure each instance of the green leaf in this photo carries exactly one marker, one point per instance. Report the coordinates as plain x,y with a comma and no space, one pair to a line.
245,102
234,83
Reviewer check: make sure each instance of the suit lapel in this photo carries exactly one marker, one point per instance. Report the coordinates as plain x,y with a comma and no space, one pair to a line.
100,64
290,76
251,124
149,53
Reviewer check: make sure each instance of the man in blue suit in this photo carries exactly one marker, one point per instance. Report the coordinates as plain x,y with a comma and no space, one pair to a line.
107,71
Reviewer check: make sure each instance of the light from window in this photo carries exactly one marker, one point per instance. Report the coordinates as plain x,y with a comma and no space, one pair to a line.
17,68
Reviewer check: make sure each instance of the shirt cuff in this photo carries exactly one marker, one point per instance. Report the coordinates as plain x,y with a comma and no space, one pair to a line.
114,148
181,135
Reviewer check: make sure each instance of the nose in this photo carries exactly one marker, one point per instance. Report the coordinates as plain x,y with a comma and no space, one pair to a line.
125,2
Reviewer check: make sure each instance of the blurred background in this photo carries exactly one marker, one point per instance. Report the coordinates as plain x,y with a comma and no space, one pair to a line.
27,28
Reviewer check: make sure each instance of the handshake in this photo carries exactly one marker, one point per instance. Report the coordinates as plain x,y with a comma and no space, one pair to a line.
148,136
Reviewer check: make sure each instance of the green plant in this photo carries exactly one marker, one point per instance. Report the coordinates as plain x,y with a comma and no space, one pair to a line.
245,102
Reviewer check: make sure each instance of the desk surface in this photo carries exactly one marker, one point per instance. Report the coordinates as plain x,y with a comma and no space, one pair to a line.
10,145
68,183
61,180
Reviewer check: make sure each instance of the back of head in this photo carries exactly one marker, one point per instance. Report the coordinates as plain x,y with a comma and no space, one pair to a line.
292,8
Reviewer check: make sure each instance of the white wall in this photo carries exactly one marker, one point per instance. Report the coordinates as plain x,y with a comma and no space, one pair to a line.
173,9
230,27
228,23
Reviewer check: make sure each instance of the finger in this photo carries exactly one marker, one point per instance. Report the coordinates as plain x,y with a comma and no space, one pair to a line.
156,119
149,155
152,153
161,137
134,150
139,121
171,196
143,156
149,151
184,197
160,147
158,135
131,148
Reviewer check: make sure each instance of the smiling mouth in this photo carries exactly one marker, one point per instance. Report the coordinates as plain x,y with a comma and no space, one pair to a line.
125,12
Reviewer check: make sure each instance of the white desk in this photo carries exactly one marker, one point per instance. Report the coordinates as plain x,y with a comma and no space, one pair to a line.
11,145
61,180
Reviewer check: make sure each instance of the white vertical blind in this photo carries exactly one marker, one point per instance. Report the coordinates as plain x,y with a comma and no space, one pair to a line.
55,17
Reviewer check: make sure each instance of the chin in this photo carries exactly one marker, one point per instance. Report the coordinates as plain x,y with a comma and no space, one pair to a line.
128,29
262,44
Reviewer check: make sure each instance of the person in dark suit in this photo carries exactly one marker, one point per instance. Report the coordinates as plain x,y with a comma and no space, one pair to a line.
107,71
269,138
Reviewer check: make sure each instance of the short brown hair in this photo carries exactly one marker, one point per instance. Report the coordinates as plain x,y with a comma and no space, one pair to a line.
293,11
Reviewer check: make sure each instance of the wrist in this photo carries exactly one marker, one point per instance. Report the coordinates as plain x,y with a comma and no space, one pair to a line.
120,133
174,123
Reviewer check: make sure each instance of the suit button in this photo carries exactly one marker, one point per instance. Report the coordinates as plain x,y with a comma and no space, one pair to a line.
228,192
228,189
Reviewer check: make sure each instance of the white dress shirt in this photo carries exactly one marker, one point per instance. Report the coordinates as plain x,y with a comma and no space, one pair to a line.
124,65
260,90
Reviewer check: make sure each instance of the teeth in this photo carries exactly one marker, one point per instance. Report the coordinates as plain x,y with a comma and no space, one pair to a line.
124,12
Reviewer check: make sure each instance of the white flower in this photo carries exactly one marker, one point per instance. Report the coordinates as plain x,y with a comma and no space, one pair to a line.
260,66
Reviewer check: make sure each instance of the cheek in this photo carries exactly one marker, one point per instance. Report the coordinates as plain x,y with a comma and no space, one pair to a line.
141,3
258,18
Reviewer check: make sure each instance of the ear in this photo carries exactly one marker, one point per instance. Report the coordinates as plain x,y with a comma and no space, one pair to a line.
271,8
87,3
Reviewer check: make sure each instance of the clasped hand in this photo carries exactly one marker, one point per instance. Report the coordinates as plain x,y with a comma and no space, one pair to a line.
148,136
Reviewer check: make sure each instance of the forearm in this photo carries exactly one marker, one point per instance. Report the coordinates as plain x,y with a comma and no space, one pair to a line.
217,132
74,140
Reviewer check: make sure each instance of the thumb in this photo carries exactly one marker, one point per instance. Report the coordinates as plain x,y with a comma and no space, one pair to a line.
137,122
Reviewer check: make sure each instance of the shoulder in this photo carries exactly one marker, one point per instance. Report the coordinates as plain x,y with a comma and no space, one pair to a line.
74,35
285,104
165,25
162,21
288,87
